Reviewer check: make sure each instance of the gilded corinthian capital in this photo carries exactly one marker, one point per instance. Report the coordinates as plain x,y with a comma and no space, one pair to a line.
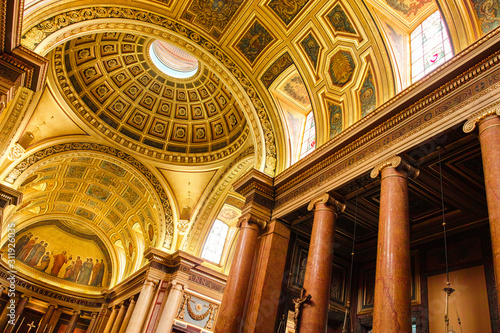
477,117
398,163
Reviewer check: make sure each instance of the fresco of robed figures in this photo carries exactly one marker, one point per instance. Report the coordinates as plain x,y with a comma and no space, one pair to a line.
72,257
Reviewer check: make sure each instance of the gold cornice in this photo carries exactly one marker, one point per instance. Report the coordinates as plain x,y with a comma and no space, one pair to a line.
326,199
477,117
395,162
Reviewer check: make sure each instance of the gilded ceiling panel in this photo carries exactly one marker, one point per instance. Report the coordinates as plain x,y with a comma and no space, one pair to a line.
367,94
254,41
287,10
312,49
335,118
213,16
340,20
341,68
116,82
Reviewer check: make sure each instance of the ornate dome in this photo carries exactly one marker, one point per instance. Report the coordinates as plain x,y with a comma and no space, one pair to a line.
112,83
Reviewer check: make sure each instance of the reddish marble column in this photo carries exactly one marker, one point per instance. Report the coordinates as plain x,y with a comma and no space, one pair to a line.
392,308
44,324
73,321
314,313
21,304
489,137
93,321
235,293
262,310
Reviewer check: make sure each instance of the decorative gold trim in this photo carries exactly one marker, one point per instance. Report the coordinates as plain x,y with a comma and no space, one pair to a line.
477,117
395,162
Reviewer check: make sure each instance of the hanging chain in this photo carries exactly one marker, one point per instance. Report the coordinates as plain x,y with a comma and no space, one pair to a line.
448,290
348,306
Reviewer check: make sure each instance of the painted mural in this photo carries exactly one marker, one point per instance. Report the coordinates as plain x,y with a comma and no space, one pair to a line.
311,48
335,114
287,10
367,95
339,20
488,14
295,88
408,7
212,16
63,250
254,41
341,68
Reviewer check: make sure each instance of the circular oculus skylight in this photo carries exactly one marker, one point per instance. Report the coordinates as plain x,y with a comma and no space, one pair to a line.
173,61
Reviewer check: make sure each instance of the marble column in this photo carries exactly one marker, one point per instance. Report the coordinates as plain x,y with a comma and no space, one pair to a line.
142,307
21,304
119,318
54,320
44,324
128,315
92,323
265,297
235,293
171,307
73,321
392,308
111,320
488,123
314,313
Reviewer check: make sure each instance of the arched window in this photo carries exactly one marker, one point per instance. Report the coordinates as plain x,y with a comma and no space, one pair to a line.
309,137
430,46
214,245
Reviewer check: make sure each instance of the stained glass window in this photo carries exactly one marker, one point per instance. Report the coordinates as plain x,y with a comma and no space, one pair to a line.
212,251
309,138
430,46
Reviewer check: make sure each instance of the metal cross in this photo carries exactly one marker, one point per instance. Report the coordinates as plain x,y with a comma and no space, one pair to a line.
31,326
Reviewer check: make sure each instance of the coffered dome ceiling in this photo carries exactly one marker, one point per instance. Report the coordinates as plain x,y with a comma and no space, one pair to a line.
111,82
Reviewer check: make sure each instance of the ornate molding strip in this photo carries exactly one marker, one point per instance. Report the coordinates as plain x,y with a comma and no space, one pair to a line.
395,162
35,35
83,146
476,118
